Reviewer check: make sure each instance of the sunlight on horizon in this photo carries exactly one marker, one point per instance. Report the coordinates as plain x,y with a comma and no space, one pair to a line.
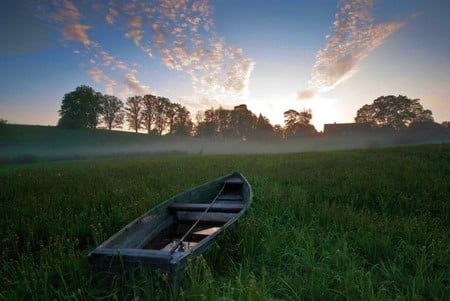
324,110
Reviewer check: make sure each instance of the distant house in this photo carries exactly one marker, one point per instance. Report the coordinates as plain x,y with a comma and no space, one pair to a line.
347,129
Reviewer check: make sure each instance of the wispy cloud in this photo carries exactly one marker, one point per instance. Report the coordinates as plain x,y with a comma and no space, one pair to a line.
67,16
183,33
111,16
135,85
116,75
128,83
354,36
99,76
178,32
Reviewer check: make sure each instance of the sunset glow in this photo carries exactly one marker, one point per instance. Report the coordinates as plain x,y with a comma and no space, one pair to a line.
328,56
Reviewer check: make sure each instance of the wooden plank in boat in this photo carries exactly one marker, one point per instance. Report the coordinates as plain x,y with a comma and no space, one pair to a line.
234,180
233,197
220,217
216,207
208,231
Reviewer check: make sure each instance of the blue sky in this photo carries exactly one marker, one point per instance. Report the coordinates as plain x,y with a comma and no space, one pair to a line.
330,56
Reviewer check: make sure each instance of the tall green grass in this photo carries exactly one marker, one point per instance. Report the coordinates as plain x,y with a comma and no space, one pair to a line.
360,225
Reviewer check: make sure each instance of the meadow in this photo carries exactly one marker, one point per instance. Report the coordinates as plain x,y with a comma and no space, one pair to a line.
360,225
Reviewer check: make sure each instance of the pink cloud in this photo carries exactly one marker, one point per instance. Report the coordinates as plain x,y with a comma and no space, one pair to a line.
111,16
354,36
181,31
67,16
77,32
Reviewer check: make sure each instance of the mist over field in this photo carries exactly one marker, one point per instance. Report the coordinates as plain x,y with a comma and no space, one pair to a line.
24,144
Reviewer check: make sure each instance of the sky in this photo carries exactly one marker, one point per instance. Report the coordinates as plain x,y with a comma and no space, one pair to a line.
332,56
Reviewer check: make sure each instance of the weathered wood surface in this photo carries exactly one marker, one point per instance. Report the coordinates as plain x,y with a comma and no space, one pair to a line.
231,197
234,180
220,217
216,207
208,231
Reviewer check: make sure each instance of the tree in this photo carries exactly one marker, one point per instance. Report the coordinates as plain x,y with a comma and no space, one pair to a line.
149,111
182,124
112,111
133,112
80,108
263,128
243,121
206,124
162,103
298,124
3,121
171,114
397,112
279,131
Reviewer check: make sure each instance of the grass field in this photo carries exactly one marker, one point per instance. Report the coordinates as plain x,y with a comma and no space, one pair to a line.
360,225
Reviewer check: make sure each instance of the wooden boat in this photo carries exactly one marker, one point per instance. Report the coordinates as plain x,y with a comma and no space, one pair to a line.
183,226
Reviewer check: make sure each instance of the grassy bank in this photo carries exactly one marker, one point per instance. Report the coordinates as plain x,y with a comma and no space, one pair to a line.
361,225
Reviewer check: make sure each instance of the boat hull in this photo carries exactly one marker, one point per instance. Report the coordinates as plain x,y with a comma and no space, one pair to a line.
148,240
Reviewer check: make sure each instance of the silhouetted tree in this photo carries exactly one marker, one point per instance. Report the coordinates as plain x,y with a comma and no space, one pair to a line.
279,131
223,121
112,111
395,111
149,111
208,124
171,113
263,128
243,121
80,108
133,110
298,124
3,121
161,120
182,124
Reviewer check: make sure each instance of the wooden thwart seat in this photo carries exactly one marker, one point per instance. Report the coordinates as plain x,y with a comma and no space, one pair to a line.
230,197
207,231
234,180
218,206
220,217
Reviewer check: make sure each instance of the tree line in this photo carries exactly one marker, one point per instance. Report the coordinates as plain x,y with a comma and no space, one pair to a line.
158,115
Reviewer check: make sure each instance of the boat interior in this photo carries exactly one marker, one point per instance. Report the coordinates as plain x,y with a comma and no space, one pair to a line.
196,221
192,217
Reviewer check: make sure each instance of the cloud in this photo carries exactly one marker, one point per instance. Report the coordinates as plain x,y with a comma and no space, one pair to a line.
77,32
354,36
136,34
178,32
135,22
67,16
111,16
182,33
306,94
99,76
135,85
115,74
